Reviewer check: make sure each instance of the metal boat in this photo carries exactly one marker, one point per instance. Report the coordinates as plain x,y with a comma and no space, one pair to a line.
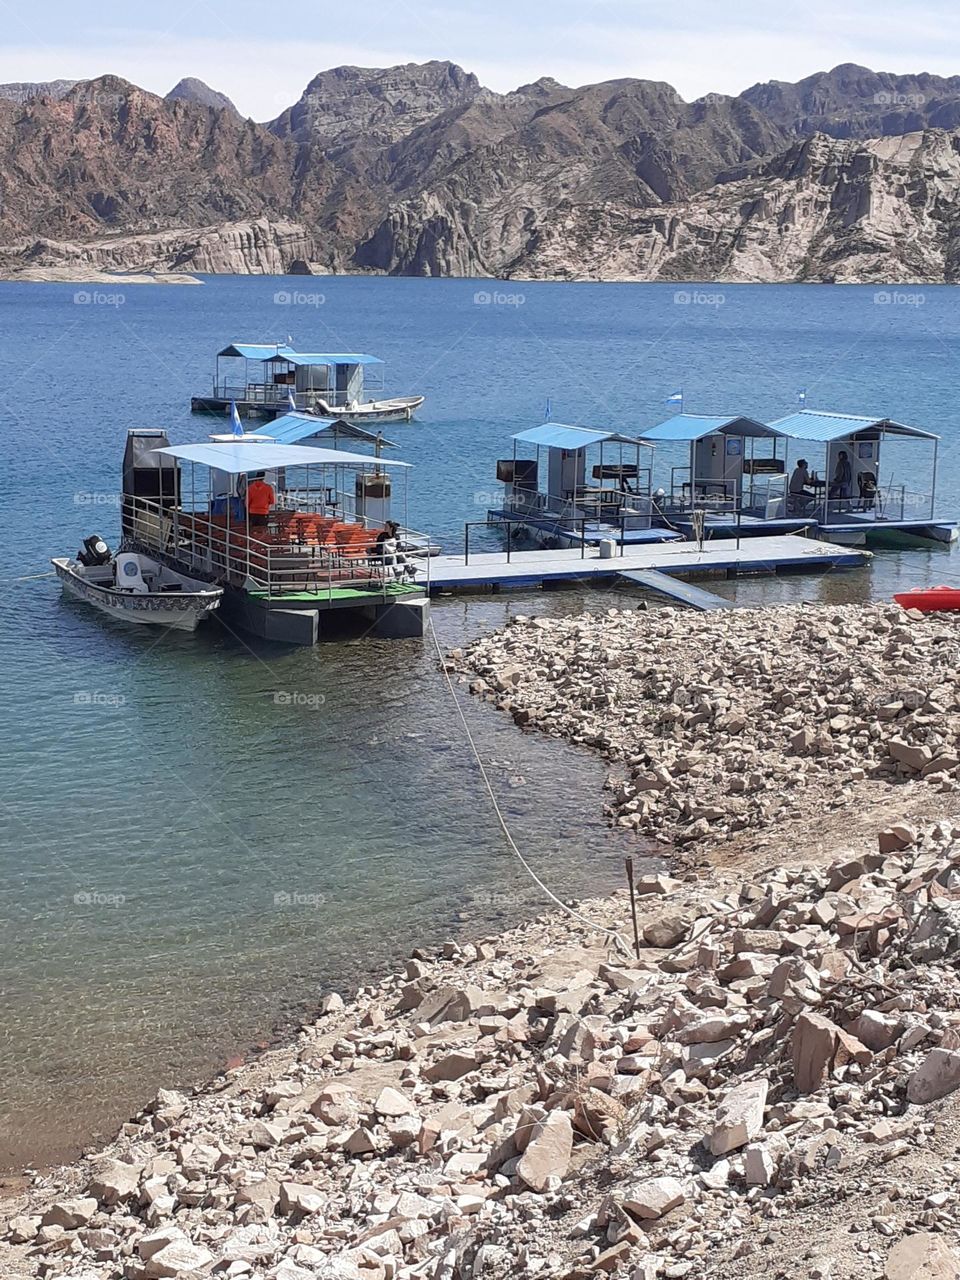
134,587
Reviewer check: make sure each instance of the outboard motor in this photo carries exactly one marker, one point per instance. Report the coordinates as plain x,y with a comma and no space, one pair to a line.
94,551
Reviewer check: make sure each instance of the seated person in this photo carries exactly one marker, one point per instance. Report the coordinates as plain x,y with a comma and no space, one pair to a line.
800,495
388,548
260,499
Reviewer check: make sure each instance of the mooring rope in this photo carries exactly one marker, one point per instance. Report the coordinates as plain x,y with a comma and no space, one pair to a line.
591,924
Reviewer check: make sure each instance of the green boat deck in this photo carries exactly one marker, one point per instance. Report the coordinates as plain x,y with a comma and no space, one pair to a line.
360,594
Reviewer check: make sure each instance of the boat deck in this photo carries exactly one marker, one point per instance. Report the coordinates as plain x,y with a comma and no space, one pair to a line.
719,555
595,530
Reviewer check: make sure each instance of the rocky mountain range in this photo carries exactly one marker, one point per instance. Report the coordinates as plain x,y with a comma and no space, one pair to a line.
419,170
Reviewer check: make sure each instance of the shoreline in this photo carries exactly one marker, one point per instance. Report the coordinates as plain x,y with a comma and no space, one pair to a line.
79,274
785,1032
524,1080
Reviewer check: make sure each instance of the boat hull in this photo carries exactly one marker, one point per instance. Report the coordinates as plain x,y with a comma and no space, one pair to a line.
180,611
930,599
398,409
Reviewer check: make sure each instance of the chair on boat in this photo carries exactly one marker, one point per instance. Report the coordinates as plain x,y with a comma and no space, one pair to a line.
869,491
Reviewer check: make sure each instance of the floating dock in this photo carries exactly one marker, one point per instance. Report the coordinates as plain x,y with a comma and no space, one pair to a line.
491,570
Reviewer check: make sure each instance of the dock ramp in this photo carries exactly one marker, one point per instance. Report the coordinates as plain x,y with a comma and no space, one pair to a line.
677,592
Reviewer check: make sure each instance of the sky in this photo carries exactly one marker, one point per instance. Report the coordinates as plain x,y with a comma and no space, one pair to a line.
262,57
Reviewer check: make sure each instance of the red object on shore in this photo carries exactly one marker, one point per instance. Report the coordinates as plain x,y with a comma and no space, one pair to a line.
930,599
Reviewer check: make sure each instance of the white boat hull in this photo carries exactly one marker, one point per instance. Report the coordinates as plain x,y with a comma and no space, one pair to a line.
178,610
399,409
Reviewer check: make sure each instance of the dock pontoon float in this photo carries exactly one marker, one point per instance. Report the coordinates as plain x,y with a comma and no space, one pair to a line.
262,379
315,557
729,468
860,498
550,497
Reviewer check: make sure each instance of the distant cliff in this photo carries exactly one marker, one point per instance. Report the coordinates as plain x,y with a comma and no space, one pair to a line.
419,170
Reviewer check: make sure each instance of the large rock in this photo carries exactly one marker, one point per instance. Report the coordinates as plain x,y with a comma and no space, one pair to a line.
653,1198
548,1152
114,1181
177,1259
922,1257
70,1214
937,1075
739,1117
814,1044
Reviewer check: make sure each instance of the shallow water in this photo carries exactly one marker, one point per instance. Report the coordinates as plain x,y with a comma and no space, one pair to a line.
200,833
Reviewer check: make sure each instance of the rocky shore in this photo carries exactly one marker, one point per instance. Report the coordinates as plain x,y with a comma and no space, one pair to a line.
766,1089
763,1082
721,727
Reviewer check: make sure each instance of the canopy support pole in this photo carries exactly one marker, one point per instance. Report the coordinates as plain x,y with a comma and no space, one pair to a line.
933,482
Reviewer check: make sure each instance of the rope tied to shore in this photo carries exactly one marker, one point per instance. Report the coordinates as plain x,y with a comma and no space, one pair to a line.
612,934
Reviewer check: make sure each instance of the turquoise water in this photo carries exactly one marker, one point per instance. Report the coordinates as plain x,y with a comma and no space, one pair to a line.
201,834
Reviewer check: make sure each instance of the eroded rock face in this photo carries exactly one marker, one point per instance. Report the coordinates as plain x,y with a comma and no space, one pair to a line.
419,170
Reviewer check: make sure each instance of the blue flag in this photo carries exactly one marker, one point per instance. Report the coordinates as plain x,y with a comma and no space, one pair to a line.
676,398
547,410
235,419
802,397
291,401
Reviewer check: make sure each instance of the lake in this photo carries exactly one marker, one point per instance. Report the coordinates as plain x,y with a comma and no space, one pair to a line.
187,862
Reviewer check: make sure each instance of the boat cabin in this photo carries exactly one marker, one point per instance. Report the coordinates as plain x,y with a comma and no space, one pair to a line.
581,484
265,377
865,476
720,465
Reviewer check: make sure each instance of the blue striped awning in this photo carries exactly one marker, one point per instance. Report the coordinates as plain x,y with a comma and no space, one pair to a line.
257,351
555,435
292,427
328,357
694,426
808,424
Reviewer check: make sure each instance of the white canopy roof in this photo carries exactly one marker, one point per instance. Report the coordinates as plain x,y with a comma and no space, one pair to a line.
241,457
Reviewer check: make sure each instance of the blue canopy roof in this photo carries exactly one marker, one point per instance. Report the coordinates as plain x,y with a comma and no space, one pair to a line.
293,427
245,456
256,350
328,357
694,426
808,424
281,351
555,435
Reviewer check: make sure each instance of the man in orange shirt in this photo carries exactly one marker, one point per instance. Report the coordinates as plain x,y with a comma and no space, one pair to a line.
260,498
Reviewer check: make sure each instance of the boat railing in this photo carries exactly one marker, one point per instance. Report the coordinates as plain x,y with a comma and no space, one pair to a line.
687,493
567,511
297,553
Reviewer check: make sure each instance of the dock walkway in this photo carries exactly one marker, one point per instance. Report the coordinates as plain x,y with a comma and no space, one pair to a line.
488,569
676,590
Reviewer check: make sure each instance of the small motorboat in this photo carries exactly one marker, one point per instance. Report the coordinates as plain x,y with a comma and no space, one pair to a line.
133,587
930,599
399,409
